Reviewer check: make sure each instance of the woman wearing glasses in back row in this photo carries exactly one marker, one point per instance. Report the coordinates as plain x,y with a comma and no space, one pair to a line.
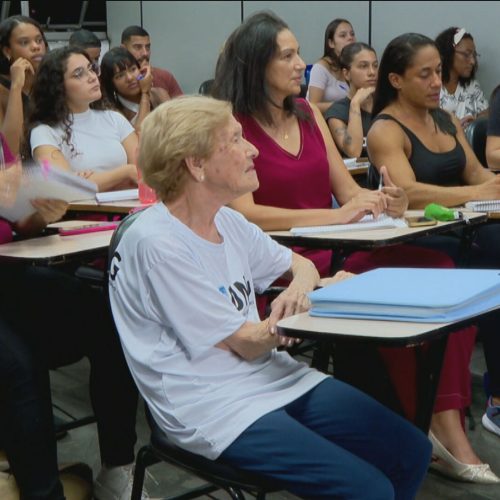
65,128
461,94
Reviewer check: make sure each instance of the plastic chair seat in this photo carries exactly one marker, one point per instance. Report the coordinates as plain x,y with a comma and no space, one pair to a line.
216,473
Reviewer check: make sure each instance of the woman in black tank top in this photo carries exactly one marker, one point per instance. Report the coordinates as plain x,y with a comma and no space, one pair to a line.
426,153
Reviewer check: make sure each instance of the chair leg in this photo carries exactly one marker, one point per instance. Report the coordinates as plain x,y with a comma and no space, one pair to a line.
145,458
235,493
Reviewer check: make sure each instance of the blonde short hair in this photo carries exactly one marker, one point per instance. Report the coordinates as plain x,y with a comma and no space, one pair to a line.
182,127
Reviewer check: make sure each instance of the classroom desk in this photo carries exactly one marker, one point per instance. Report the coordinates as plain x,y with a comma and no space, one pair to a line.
429,357
358,168
376,237
55,248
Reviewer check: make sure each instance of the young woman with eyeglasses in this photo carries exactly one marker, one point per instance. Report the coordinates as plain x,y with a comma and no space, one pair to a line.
461,93
22,46
66,130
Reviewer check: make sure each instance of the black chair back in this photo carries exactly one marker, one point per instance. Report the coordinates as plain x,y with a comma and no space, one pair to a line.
120,231
206,87
476,135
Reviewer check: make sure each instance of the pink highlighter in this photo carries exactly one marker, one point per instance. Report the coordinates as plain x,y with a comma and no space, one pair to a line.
89,228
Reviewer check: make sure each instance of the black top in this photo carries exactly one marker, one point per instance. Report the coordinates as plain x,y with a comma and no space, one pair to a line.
340,111
26,100
441,169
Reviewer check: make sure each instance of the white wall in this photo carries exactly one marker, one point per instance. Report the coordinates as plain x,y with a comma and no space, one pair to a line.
187,36
119,16
308,21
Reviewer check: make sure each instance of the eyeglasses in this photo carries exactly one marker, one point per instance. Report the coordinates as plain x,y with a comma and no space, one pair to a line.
81,73
468,55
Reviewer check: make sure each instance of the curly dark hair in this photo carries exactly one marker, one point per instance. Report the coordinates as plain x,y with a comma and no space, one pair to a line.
117,58
328,52
48,103
446,47
240,74
6,27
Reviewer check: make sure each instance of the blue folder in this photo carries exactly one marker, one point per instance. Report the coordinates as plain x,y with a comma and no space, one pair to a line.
409,294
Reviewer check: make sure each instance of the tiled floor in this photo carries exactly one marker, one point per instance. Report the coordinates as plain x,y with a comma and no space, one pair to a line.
70,392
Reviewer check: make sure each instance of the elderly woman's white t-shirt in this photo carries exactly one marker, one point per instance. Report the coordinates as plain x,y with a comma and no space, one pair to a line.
175,296
96,137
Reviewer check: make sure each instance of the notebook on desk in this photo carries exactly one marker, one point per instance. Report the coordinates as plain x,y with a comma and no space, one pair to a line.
122,195
409,294
483,206
368,222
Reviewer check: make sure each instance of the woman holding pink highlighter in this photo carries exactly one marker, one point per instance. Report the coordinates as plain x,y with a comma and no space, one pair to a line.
127,87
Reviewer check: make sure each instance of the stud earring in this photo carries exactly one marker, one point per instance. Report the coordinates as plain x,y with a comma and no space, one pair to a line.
202,177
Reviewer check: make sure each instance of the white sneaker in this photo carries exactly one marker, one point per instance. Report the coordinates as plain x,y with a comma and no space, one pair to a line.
115,483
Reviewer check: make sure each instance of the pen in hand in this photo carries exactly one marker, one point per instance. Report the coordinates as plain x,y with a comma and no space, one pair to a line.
381,182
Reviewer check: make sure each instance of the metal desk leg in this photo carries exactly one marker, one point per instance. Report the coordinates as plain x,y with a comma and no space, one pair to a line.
429,360
465,248
321,356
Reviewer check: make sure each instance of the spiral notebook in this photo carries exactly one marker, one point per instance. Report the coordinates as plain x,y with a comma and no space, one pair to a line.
368,222
483,206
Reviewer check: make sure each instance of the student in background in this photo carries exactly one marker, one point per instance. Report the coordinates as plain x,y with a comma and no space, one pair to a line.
82,326
88,41
22,46
425,150
493,133
26,423
326,81
127,87
461,94
137,41
64,130
221,389
349,119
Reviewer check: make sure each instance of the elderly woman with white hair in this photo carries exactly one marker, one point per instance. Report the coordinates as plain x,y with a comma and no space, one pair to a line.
183,299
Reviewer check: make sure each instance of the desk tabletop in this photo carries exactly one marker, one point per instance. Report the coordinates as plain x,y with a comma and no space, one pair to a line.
110,207
357,166
388,332
53,247
375,237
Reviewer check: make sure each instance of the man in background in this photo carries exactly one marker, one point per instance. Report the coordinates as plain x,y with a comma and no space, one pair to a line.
136,40
87,41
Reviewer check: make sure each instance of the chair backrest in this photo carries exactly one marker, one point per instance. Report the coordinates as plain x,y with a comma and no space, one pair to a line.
120,231
476,135
206,87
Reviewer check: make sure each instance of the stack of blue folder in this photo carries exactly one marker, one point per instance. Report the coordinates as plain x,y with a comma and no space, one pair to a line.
409,294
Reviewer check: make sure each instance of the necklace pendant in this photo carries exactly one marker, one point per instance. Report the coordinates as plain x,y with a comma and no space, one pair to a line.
285,136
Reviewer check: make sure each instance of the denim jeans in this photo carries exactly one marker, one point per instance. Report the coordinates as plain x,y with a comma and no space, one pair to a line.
335,442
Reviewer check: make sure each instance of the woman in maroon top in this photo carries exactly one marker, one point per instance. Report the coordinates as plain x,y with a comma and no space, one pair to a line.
299,167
